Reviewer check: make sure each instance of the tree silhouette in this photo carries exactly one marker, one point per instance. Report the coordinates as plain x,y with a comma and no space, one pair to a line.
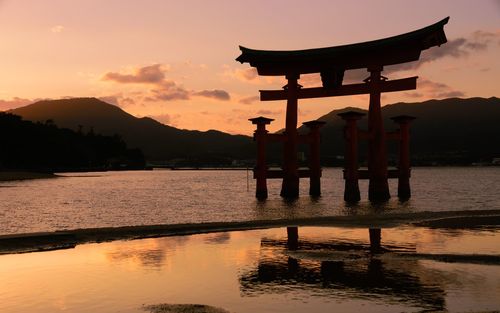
45,147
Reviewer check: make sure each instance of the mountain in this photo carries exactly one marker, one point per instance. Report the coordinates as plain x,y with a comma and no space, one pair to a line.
464,130
449,131
156,140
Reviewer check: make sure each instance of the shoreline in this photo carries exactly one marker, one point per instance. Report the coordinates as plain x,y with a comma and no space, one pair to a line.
24,175
46,241
6,176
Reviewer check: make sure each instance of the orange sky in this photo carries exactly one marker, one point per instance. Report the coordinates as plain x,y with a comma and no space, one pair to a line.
174,60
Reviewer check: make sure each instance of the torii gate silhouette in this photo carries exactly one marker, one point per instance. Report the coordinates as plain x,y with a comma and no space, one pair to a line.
331,63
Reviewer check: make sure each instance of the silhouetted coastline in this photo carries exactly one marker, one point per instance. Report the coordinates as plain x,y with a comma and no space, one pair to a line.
20,175
46,148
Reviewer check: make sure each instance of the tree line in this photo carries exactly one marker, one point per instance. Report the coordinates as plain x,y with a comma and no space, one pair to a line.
25,145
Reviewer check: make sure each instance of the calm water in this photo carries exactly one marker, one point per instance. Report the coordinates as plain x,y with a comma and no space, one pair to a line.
253,271
168,197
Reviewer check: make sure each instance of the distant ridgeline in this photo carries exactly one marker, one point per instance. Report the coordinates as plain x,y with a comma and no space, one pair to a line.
25,145
451,131
158,142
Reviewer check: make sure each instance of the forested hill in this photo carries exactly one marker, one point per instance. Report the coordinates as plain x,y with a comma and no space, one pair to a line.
156,140
446,131
45,147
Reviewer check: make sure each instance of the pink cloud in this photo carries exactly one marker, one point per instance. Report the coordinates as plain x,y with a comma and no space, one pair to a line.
310,80
246,74
249,100
456,48
431,89
170,93
166,119
152,74
15,102
414,94
162,89
215,94
269,112
118,100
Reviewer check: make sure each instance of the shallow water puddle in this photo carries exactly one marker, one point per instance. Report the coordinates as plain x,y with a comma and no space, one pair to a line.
326,268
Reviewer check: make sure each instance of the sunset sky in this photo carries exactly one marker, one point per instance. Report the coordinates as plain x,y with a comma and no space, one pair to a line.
175,60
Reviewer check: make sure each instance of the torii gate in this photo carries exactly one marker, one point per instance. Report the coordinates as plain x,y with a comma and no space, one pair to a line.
331,63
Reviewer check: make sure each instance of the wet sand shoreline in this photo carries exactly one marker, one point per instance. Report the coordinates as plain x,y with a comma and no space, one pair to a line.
45,241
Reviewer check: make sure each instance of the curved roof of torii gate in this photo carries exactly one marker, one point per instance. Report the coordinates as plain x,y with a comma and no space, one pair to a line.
371,54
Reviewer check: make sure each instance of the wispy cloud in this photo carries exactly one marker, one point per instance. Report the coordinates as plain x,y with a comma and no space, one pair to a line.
482,39
167,119
269,112
57,29
152,74
436,90
249,100
310,80
161,88
169,93
246,74
215,94
15,102
119,100
456,48
414,94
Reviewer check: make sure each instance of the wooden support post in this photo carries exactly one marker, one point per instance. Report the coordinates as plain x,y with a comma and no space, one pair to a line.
351,191
290,185
260,135
314,156
404,192
378,188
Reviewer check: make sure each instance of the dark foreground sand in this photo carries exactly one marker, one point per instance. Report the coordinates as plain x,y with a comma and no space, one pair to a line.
13,175
19,243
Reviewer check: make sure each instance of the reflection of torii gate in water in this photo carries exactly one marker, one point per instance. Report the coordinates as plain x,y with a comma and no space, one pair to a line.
331,63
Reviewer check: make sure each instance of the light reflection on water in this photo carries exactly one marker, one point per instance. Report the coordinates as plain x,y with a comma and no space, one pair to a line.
254,271
170,197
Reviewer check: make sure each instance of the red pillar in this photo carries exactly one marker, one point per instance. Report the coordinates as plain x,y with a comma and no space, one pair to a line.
404,192
314,157
351,191
290,185
261,166
378,189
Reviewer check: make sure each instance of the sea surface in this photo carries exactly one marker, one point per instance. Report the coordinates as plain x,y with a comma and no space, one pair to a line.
109,199
256,271
325,269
